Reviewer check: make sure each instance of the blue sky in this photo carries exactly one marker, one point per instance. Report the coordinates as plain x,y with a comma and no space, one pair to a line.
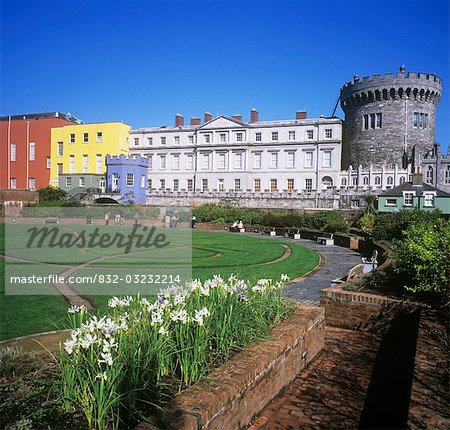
141,62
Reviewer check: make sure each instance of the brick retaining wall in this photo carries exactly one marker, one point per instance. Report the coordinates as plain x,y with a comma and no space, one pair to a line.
239,389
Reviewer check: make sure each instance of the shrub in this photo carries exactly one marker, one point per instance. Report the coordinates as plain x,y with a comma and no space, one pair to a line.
51,194
423,257
111,363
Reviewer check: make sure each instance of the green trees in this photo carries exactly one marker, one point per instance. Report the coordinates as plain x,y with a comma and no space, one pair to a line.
51,194
422,258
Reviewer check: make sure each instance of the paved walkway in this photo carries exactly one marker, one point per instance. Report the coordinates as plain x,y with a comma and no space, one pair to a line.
337,261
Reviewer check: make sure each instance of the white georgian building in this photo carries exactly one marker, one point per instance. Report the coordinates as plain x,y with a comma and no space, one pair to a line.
227,154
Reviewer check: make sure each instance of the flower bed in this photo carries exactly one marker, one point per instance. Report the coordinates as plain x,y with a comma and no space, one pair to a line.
113,367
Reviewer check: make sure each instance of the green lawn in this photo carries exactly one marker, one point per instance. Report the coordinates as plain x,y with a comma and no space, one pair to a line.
212,253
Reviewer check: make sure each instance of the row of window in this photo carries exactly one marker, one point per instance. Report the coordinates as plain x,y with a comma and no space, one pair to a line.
31,183
420,120
408,200
85,138
366,181
372,121
224,137
99,164
238,160
31,152
257,184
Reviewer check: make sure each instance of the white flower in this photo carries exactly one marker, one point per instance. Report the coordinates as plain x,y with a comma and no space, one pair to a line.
199,315
113,302
157,318
108,344
181,315
284,277
106,358
109,327
103,376
75,309
88,340
178,299
163,330
70,345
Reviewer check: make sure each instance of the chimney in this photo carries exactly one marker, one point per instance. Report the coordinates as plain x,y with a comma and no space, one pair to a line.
253,115
208,117
237,116
179,120
195,120
300,114
417,178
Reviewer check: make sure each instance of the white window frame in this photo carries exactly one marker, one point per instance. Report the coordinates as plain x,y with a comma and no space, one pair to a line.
291,135
221,162
32,183
190,162
290,159
274,160
60,149
32,155
176,162
85,137
326,158
81,181
85,163
426,201
13,152
162,162
309,159
68,181
130,180
238,160
99,137
257,160
408,198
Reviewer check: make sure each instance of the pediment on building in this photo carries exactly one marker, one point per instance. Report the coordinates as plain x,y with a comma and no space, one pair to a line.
222,121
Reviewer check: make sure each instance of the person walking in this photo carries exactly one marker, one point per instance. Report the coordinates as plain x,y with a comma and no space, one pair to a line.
167,221
107,218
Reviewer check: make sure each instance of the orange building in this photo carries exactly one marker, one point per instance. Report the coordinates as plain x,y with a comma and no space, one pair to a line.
25,148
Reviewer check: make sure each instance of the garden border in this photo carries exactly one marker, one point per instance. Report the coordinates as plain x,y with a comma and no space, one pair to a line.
239,389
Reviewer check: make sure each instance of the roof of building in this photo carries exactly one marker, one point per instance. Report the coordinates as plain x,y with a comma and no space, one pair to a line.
419,190
40,115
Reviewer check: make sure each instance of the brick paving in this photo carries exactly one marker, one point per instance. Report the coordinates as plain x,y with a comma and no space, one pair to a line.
329,394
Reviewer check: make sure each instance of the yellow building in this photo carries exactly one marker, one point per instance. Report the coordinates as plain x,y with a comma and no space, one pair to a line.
82,148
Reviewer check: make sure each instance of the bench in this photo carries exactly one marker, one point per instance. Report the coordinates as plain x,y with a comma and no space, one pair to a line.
294,234
326,239
371,263
51,220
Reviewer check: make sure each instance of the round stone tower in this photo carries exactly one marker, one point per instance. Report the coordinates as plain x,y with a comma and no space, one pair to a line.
386,116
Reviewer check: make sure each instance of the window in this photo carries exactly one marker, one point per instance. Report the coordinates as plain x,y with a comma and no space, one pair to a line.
31,183
355,181
59,168
177,140
354,203
408,199
150,162
237,184
327,182
176,162
308,185
130,180
176,184
326,158
162,184
190,162
102,183
191,139
136,141
328,133
377,180
85,163
13,152
290,185
273,185
81,181
60,149
190,184
447,175
13,183
379,120
221,163
420,120
68,182
98,163
149,140
292,135
115,182
258,137
257,160
32,151
149,184
257,184
373,120
290,161
274,135
428,200
390,180
204,184
273,160
207,138
223,137
49,162
344,182
238,161
220,184
238,137
310,134
366,180
391,202
72,137
163,140
162,162
205,161
99,136
429,175
308,159
85,137
402,179
142,181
